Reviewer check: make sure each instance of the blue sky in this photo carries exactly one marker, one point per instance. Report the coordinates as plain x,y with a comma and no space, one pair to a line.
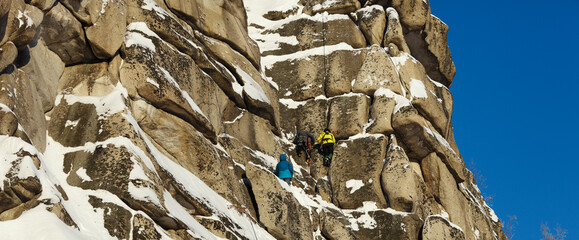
516,105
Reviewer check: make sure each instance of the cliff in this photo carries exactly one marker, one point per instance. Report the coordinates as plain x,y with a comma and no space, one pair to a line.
150,119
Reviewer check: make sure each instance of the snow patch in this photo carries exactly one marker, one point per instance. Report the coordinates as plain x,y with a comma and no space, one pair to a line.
71,124
11,162
143,28
417,89
292,104
24,19
354,184
385,92
139,40
81,172
400,103
152,82
440,139
251,87
269,61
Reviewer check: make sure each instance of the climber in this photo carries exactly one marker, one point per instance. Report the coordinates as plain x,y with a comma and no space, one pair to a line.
303,142
327,140
284,169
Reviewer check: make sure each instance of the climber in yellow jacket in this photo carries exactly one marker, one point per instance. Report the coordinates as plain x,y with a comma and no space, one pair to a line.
327,140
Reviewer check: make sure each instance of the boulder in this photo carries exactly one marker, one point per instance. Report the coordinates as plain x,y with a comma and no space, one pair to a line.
316,31
144,228
45,69
299,79
342,68
355,171
441,67
310,115
306,78
77,120
385,224
8,121
381,112
85,11
437,227
169,81
20,183
4,9
64,35
399,181
8,19
43,5
121,171
324,189
87,80
224,20
421,139
260,95
150,16
18,95
107,32
452,197
424,98
377,71
413,13
348,114
16,212
118,224
254,132
332,7
394,32
372,23
433,99
188,148
279,211
335,226
22,23
8,53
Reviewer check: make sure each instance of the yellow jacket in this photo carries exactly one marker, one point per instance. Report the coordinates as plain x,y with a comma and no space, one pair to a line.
326,137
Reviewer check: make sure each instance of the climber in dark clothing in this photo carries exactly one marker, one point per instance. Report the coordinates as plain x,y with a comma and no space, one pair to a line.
304,141
284,169
327,140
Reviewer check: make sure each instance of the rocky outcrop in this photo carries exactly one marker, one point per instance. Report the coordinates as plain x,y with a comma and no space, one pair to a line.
356,170
377,71
153,119
372,22
437,227
279,211
349,114
332,7
64,35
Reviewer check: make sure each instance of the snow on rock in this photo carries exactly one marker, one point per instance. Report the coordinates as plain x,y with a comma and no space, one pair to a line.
401,102
354,184
291,104
139,40
440,139
365,220
417,89
81,172
13,163
269,61
37,223
251,87
384,92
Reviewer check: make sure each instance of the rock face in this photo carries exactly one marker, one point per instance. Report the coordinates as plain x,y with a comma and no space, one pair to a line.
151,119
